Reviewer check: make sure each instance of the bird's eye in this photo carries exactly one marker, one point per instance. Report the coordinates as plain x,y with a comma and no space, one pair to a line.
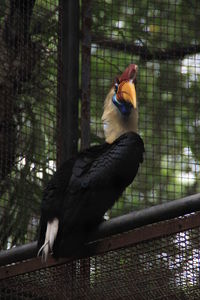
116,87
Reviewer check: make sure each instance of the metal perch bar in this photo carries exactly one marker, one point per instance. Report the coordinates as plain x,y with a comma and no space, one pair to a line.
117,225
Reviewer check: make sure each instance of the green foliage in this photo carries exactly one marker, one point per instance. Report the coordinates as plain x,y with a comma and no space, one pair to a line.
35,120
167,91
123,32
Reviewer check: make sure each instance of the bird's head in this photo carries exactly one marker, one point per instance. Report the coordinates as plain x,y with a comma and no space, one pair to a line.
124,97
120,109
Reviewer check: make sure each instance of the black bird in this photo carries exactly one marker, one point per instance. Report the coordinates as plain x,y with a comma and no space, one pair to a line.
87,185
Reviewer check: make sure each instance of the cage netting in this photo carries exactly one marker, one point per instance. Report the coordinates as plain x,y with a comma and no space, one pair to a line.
165,267
161,37
28,93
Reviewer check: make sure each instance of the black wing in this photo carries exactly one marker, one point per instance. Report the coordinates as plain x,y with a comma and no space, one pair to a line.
96,183
57,187
118,161
53,197
84,188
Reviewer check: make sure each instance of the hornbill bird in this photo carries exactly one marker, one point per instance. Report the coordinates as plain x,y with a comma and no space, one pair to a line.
87,185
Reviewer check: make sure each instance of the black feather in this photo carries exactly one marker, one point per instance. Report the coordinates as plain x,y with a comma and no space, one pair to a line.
85,187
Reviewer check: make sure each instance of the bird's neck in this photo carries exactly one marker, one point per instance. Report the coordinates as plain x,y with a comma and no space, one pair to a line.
114,123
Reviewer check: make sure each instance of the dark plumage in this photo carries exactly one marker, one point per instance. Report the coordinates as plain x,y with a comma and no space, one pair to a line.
86,186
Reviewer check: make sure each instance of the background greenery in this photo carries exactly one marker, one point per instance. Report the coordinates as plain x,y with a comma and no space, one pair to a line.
162,37
164,43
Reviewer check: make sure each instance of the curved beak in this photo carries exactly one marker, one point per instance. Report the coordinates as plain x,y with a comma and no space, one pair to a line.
126,91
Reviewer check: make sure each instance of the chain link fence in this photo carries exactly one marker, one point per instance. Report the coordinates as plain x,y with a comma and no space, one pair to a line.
158,37
28,97
159,261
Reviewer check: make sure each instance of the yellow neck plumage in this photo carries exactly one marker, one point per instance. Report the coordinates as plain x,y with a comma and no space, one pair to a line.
115,124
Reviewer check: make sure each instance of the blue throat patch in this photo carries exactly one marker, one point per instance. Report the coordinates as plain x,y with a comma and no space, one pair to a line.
123,106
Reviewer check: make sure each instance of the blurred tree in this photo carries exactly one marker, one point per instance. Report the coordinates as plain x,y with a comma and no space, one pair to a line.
16,50
28,87
158,37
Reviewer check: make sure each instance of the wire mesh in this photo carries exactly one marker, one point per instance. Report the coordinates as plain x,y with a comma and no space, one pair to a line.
166,267
158,37
153,34
28,89
164,43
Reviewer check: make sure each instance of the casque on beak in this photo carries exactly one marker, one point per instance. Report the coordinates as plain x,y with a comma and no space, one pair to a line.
126,91
120,108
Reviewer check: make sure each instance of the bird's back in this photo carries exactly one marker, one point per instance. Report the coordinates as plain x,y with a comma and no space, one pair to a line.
98,176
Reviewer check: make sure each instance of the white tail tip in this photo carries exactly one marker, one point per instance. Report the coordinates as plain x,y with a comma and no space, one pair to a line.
51,233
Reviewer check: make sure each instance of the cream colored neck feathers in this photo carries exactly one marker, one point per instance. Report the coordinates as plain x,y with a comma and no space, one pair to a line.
114,123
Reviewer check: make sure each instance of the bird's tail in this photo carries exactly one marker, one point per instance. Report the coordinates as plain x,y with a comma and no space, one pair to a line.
51,233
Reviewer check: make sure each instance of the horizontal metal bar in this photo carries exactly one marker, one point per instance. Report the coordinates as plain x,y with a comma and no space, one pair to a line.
117,225
99,247
143,234
153,214
18,253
